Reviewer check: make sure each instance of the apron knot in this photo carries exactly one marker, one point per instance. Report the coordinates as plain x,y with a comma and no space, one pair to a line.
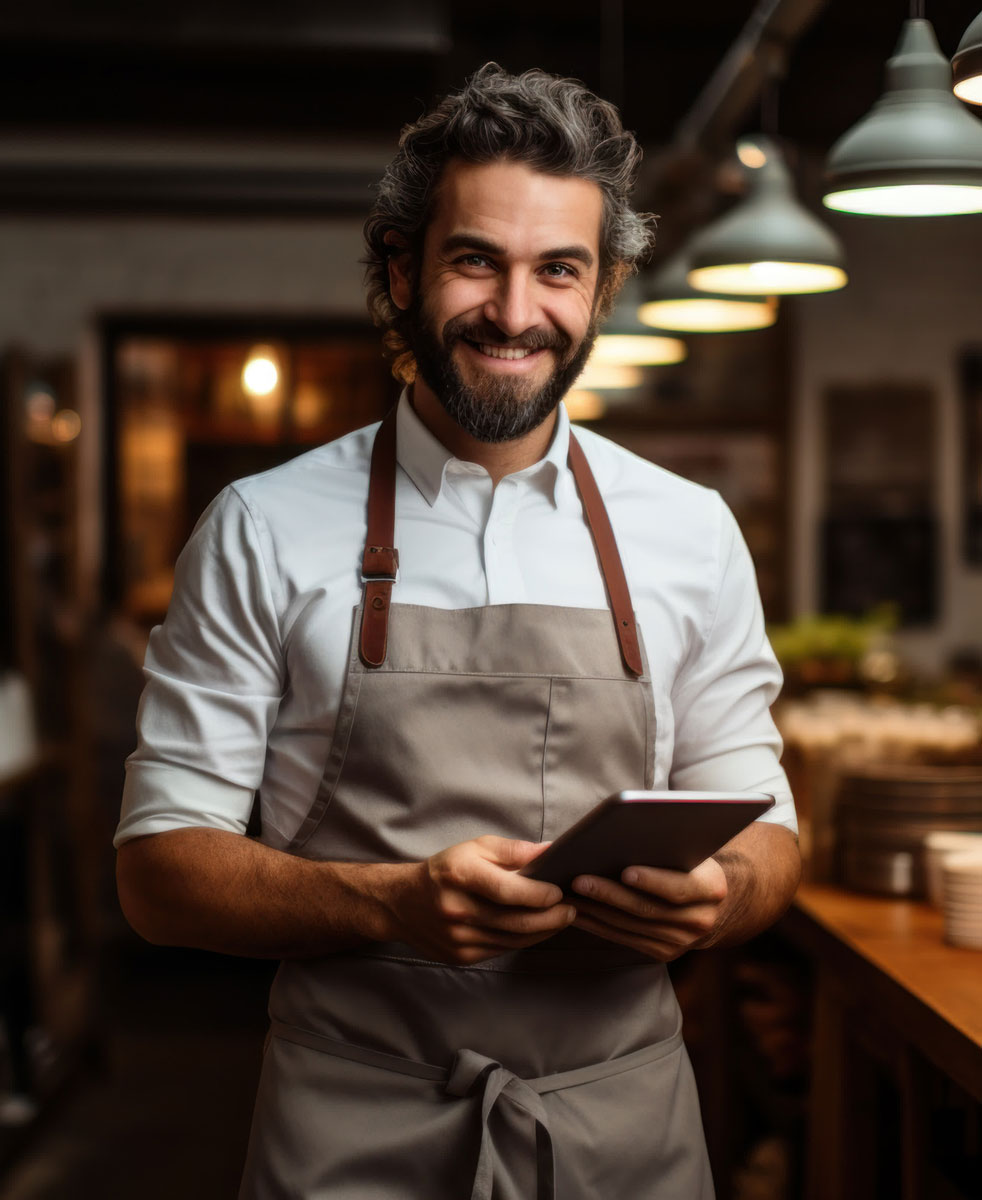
468,1067
471,1070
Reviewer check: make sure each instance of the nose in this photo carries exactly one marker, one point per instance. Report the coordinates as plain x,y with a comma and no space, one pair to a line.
512,305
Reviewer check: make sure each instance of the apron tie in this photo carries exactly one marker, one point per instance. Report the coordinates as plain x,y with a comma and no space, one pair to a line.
466,1075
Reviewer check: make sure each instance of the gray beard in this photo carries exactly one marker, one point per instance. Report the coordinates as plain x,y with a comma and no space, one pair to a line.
497,409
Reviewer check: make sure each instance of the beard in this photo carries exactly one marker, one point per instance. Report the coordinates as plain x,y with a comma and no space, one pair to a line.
495,408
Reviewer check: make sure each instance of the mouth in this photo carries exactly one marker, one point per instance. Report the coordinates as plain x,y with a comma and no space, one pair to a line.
509,357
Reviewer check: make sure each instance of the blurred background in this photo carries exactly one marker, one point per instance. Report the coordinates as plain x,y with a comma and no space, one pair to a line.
181,303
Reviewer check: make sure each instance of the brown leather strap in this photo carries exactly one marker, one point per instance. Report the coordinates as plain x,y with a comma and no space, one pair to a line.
611,566
380,563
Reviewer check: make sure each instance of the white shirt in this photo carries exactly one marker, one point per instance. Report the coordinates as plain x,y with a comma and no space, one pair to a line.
244,678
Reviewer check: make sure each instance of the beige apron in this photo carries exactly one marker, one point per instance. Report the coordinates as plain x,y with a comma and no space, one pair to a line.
557,1071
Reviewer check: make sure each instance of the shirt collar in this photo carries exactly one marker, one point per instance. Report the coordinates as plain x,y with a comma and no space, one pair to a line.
425,459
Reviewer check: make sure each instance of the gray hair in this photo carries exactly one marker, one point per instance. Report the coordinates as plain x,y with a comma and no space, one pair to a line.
556,126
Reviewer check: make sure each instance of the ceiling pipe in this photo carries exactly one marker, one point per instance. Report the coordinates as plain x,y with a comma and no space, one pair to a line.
736,84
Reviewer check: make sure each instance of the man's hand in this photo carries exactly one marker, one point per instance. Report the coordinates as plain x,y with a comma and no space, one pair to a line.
723,901
467,903
659,913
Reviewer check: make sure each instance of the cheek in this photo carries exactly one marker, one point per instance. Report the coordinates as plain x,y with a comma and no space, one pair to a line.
454,298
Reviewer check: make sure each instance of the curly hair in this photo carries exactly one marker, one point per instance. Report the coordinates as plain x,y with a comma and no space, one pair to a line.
554,125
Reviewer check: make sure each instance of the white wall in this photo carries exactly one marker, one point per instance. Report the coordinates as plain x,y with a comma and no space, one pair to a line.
60,273
913,303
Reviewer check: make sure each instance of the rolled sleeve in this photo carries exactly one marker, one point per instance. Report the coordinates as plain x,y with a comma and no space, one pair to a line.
725,737
214,678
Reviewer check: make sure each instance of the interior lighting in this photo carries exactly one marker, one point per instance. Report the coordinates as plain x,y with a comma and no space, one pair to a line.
583,405
768,244
66,425
917,152
638,349
625,341
603,377
261,373
673,303
967,64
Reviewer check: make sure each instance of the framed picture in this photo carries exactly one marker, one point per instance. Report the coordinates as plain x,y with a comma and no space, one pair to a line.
971,418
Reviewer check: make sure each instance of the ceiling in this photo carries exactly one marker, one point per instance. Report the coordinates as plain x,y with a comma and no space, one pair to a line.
303,69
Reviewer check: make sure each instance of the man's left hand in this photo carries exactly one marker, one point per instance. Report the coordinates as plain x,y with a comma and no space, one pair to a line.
659,913
741,890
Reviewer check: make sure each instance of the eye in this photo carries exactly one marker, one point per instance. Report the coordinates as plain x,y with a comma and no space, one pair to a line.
559,270
475,261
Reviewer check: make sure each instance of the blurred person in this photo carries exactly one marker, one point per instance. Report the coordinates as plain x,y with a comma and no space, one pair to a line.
411,727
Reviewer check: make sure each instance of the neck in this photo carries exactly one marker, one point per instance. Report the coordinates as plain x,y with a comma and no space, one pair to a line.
497,458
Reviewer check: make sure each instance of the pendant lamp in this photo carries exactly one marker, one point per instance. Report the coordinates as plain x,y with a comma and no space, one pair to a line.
917,152
967,64
625,341
671,302
768,244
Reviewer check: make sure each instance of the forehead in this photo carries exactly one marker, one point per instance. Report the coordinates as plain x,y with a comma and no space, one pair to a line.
527,212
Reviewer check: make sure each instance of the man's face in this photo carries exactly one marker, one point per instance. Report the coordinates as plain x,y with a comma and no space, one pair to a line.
502,315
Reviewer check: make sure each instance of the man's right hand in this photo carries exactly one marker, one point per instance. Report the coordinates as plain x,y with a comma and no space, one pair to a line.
468,903
220,891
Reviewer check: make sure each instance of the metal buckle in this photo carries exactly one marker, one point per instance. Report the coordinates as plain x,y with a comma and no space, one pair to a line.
381,576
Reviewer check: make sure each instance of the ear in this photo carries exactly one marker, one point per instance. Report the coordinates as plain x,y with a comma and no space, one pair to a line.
399,263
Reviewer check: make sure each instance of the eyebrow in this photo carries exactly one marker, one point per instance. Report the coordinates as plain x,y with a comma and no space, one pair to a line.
474,241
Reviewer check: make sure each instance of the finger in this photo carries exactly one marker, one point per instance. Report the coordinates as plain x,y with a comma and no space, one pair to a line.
468,908
522,920
494,881
650,946
706,882
616,895
682,926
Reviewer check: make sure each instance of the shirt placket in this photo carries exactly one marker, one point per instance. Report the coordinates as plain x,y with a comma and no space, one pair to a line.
505,582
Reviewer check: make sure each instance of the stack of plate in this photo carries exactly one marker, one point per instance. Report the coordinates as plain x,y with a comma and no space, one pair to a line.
884,814
962,876
937,847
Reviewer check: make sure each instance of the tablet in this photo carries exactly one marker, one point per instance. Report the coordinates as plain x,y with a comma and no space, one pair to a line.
677,830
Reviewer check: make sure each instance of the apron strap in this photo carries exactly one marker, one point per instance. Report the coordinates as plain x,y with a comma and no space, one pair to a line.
380,563
611,566
472,1071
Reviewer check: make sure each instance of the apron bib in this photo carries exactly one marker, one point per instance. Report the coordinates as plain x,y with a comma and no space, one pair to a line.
556,1071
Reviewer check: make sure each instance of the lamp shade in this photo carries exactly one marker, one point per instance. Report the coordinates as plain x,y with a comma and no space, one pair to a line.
967,64
917,152
671,302
768,244
625,341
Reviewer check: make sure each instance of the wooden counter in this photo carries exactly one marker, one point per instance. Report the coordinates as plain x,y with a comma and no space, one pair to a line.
892,1001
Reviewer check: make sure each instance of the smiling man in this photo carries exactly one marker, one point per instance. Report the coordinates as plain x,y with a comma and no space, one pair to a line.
430,647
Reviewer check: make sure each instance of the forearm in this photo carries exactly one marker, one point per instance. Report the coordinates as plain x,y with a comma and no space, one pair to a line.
762,868
213,890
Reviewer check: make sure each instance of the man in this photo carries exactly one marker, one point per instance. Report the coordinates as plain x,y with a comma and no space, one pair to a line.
438,1029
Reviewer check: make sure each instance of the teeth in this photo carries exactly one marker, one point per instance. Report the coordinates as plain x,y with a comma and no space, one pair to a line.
505,351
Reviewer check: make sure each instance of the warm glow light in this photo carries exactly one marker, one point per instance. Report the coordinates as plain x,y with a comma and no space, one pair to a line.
609,376
969,90
66,425
698,315
751,155
908,200
260,375
637,349
582,405
768,278
40,405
